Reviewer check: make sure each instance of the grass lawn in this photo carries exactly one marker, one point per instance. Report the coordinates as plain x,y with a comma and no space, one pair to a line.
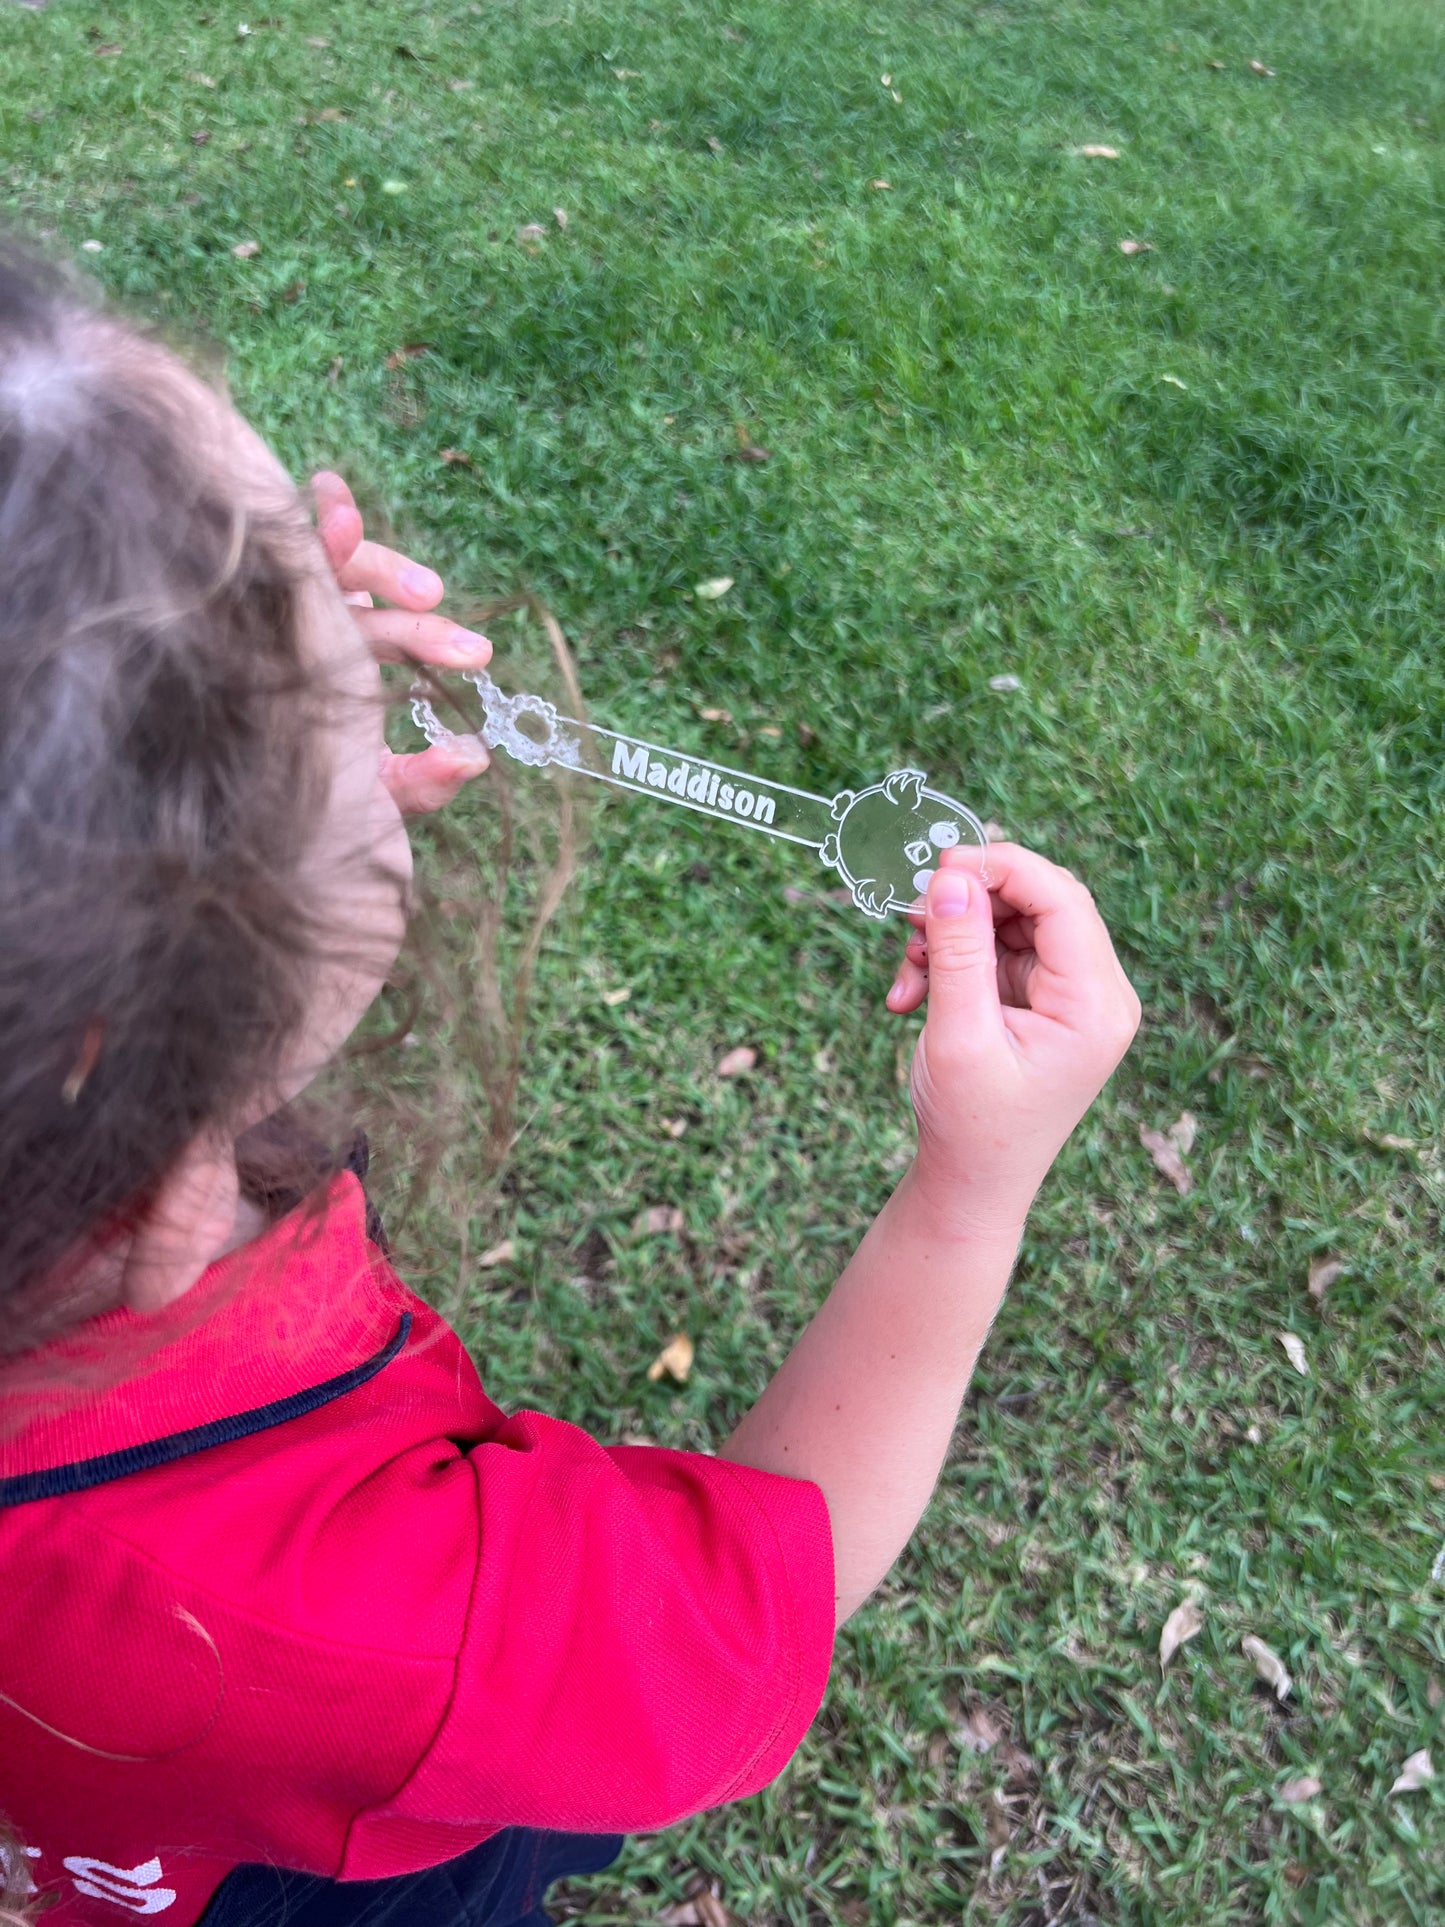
1190,499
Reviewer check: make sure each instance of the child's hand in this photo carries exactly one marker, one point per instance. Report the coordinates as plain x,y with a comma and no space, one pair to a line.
1029,1011
406,632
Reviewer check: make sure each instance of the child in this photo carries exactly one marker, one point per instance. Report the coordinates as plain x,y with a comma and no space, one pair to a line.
294,1623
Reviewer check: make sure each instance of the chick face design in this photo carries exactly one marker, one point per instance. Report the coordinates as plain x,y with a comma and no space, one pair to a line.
888,839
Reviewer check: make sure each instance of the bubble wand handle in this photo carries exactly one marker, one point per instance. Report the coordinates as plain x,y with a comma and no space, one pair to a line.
882,840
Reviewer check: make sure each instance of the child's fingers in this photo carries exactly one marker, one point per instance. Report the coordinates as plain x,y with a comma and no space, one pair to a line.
391,577
338,520
431,778
910,986
395,635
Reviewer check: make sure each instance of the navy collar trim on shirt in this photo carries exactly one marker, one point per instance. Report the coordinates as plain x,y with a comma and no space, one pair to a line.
80,1474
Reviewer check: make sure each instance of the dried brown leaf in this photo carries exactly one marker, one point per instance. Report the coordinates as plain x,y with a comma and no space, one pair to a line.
675,1359
1323,1273
1168,1159
456,458
1294,1348
710,1910
979,1732
658,1219
200,137
683,1913
1294,1793
734,1062
1268,1664
1183,1624
716,715
1417,1772
501,1254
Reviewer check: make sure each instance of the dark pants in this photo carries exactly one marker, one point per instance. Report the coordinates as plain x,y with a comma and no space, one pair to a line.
498,1884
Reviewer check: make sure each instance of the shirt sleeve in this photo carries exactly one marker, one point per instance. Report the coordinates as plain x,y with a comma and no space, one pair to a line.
648,1634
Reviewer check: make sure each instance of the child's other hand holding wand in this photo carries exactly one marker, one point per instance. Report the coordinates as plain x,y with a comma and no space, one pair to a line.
1029,1012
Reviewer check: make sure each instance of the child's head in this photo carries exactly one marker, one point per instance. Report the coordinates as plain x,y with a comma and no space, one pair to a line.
201,875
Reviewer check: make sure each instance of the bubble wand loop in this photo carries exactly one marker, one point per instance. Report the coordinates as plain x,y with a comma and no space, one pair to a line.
883,841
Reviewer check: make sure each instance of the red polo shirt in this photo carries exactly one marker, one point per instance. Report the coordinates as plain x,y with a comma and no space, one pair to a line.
296,1592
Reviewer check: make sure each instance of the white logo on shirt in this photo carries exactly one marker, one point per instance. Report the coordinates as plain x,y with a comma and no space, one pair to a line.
132,1887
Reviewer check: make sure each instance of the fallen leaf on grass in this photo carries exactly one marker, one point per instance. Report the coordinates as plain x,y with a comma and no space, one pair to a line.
559,215
1268,1664
612,998
1168,1158
627,73
1258,67
532,231
1295,1792
716,715
1130,246
980,1732
1094,152
1217,65
1418,1771
1323,1273
748,449
734,1062
1183,1624
294,293
1391,1141
714,143
1183,1132
714,589
456,458
881,187
658,1219
1294,1348
501,1254
674,1126
1005,685
408,351
244,250
675,1359
107,50
201,80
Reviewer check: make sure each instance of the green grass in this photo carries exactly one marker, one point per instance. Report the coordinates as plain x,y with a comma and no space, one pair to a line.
1191,500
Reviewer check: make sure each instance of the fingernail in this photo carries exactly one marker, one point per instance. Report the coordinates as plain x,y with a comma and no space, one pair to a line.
894,994
418,581
949,893
471,751
467,646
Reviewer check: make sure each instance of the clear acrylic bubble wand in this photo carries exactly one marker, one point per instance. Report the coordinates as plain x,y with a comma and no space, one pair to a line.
883,841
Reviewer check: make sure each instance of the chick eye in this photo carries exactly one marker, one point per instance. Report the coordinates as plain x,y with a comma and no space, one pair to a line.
919,851
943,835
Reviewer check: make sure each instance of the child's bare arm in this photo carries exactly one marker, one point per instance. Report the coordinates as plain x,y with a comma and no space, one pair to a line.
1029,1012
